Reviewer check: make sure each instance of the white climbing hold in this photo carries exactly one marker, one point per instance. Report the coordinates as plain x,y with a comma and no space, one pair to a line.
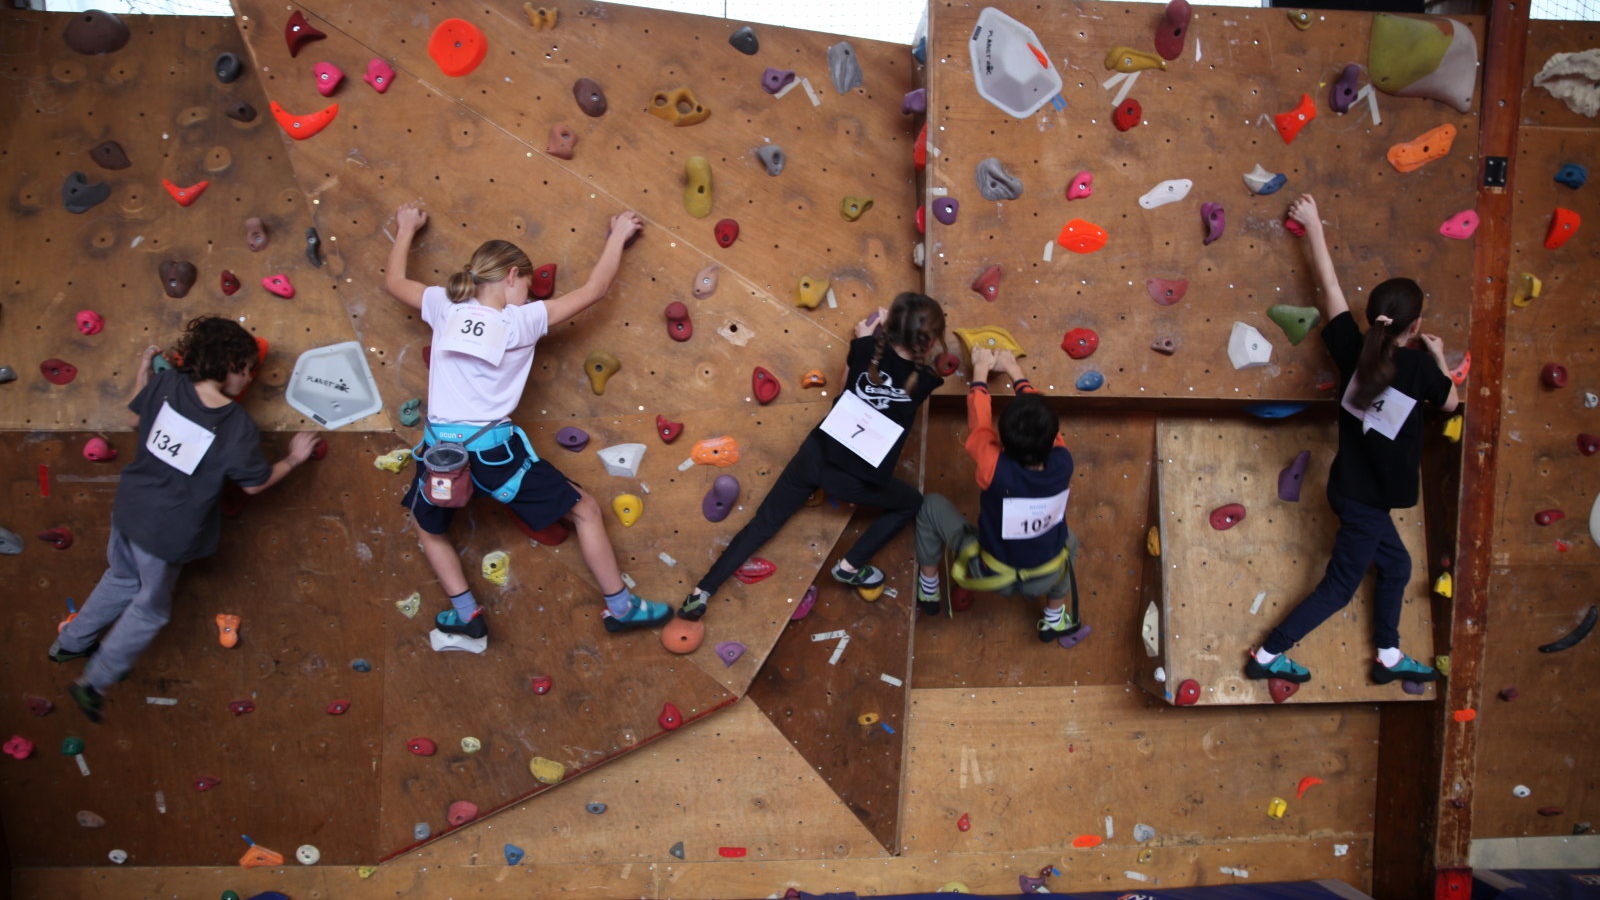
1170,191
1143,832
442,642
1258,178
1590,400
622,460
118,856
307,854
1247,348
1150,631
1160,675
1594,521
1521,790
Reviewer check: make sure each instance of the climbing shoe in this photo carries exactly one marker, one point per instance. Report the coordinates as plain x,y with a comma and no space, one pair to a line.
864,577
88,700
58,655
1280,667
1060,629
928,604
1407,669
641,614
694,606
450,622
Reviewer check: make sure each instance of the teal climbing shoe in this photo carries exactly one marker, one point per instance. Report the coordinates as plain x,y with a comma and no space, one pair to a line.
1407,669
1280,667
641,614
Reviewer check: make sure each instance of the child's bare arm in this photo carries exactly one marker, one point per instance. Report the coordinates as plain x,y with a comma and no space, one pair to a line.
299,451
408,219
1436,350
623,227
1304,210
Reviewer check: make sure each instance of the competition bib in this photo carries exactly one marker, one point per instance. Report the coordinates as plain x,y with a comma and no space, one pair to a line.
863,430
477,331
1387,414
1029,517
177,441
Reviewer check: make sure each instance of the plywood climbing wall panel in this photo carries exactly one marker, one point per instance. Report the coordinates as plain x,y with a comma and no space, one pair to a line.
158,99
1223,591
1207,118
1542,586
995,644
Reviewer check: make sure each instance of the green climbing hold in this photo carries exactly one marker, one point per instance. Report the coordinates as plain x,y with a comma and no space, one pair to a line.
159,363
1296,321
230,895
411,412
72,746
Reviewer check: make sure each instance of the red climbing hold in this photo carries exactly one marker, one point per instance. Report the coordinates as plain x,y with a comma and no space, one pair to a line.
1548,516
39,706
922,219
670,718
1281,689
422,746
960,599
1081,237
668,429
1080,343
97,450
549,536
1588,444
89,321
1129,114
457,46
298,32
338,707
241,707
1290,123
1563,225
1305,784
185,195
544,282
1553,375
726,232
280,285
731,852
230,283
541,684
1166,291
919,150
302,127
205,783
57,371
1188,693
1086,841
319,450
754,570
1225,517
679,326
987,284
964,823
946,363
59,538
1174,26
461,812
764,385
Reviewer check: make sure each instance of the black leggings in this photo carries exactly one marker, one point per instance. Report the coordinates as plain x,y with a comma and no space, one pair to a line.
806,472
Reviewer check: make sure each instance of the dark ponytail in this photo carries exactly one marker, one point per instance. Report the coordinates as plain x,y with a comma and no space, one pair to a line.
1400,301
915,323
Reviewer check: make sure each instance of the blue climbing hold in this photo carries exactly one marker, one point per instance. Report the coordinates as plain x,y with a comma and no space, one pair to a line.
596,808
421,831
1273,184
1274,410
270,895
1572,175
920,51
1091,381
361,665
514,855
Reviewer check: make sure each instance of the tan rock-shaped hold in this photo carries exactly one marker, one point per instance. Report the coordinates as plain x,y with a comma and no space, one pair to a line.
697,194
87,819
811,291
541,17
679,107
705,281
561,141
852,208
600,366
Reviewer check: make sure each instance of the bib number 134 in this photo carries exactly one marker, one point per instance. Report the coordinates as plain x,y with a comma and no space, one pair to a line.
178,441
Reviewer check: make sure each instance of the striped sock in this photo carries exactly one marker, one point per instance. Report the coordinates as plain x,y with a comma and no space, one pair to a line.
1053,615
928,584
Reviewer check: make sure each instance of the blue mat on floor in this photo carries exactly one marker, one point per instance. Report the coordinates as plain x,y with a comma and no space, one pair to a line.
1536,884
1297,890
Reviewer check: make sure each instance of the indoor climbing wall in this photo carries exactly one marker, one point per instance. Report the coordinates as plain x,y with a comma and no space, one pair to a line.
1536,752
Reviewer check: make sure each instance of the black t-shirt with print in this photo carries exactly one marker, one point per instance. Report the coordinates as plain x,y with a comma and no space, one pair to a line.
1371,467
888,397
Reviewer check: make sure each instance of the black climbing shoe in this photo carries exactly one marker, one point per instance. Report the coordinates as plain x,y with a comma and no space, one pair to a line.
694,606
1407,669
88,700
450,622
865,577
1062,628
58,655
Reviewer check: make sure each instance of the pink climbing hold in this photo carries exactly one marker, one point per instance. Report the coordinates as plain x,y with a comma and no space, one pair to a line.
280,285
1081,186
1080,343
59,538
1290,478
98,450
39,706
729,652
1188,693
18,747
89,321
205,783
803,608
379,74
1225,517
1166,291
1173,28
964,823
461,812
987,284
541,684
1460,226
1548,516
1215,220
1293,227
755,569
241,707
338,707
1553,375
1342,93
764,385
328,77
422,746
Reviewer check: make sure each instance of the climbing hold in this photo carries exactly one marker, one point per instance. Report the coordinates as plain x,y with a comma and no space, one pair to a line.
803,608
1578,633
19,747
628,508
241,707
1553,375
394,460
541,684
87,819
679,327
338,707
94,32
255,234
1289,123
7,374
1301,18
1247,348
543,282
729,652
302,127
987,284
1166,291
280,285
677,850
1408,156
228,630
1572,175
990,337
1169,191
1460,226
1081,186
328,77
775,80
1588,444
411,412
109,155
1261,182
945,210
622,460
306,855
745,41
1276,807
313,247
810,291
39,706
1528,289
945,364
561,141
682,635
71,746
844,68
964,823
919,159
1293,227
731,852
421,831
230,283
546,771
1127,115
1342,92
514,854
1224,517
1508,694
1563,225
460,813
1188,693
1434,57
870,594
79,196
720,451
258,856
496,567
591,98
1152,542
771,156
1305,784
1296,321
705,281
1290,478
668,429
1445,585
298,32
1521,791
57,371
914,102
1215,220
379,74
1080,343
471,745
360,665
1081,237
240,111
726,231
59,538
995,183
669,720
852,208
755,569
600,366
1090,381
679,107
814,378
1548,516
421,746
541,17
177,277
457,47
89,321
697,194
720,500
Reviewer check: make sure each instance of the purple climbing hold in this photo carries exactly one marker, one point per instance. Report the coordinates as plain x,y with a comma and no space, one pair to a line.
1289,479
729,652
1215,220
1342,93
775,80
720,499
915,102
945,209
1032,884
1413,687
803,608
1075,637
573,439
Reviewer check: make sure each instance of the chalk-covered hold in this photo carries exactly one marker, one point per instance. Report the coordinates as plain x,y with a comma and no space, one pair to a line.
622,460
1247,348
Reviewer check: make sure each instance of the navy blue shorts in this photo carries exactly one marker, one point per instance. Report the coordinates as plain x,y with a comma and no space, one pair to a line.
544,496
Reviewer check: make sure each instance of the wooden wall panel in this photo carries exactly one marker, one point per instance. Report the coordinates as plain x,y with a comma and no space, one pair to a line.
1203,120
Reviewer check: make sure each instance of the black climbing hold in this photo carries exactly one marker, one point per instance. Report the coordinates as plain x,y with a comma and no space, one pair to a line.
1575,635
745,41
240,111
94,31
677,850
79,196
313,247
228,68
109,155
7,374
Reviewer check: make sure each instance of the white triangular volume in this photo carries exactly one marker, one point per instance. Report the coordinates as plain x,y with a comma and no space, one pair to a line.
1594,520
622,460
442,642
1247,348
1170,191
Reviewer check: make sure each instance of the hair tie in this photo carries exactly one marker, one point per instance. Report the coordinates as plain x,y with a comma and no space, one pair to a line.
1382,320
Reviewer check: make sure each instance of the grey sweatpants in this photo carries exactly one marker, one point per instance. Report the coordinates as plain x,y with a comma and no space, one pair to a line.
941,525
130,605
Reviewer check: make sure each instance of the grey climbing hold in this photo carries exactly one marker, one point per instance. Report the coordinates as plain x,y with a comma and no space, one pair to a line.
7,374
844,67
995,183
421,831
1142,832
10,542
411,412
109,155
771,156
228,68
313,248
79,196
594,808
745,41
677,850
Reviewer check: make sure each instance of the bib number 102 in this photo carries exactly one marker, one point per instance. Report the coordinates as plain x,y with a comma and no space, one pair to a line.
1035,526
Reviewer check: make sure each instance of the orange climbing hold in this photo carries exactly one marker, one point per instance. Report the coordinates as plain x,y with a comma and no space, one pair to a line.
185,195
258,855
1305,785
302,127
1418,152
228,630
1290,123
1082,237
1464,715
457,46
717,451
1085,841
1563,224
813,378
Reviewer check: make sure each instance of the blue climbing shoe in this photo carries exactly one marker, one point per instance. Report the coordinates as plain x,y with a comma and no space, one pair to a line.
1280,667
641,614
450,622
1407,669
865,577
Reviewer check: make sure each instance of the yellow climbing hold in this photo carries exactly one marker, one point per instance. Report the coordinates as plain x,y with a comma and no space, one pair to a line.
870,594
679,107
991,337
852,207
1127,59
628,508
1277,807
810,291
600,366
471,745
541,17
367,871
1442,663
697,196
497,567
410,606
1528,289
1301,18
394,460
1152,540
1445,586
1452,428
547,771
867,719
1147,854
955,887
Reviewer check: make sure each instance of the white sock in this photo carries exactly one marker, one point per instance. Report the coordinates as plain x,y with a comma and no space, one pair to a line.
1053,614
1390,656
845,567
1263,657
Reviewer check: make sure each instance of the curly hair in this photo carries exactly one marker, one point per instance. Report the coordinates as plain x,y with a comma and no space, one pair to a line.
213,347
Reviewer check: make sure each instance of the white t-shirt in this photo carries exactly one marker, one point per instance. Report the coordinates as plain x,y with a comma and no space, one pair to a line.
481,356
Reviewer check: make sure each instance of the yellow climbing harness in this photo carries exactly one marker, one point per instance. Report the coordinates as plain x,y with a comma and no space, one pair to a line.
1003,577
